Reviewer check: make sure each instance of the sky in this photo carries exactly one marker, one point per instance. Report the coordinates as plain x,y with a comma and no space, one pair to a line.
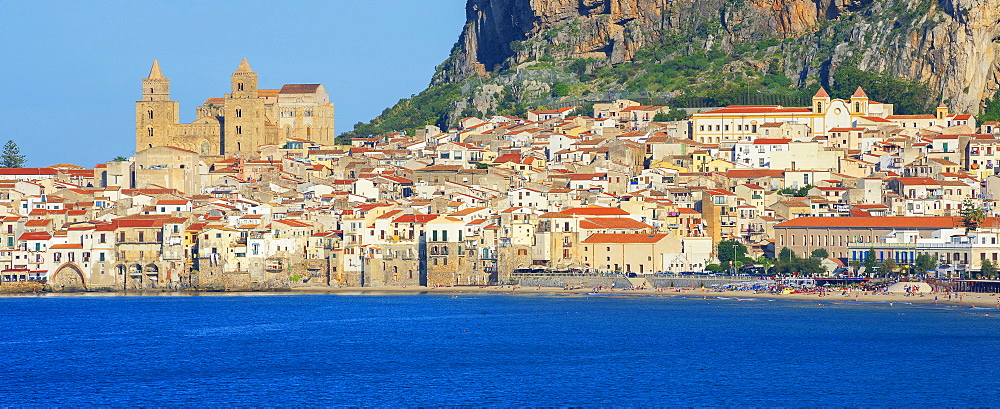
70,71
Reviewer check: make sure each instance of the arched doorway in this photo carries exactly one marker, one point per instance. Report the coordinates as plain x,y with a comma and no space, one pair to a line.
68,277
152,276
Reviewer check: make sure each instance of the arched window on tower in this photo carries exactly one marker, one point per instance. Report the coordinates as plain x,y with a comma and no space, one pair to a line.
239,130
238,147
239,113
150,131
857,107
239,86
150,113
819,107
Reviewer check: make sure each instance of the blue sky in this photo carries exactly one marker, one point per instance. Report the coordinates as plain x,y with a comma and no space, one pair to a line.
70,71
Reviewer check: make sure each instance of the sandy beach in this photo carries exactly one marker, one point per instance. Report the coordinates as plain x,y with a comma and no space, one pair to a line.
983,300
979,300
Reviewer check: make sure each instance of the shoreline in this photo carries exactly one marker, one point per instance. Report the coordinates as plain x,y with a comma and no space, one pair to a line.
978,300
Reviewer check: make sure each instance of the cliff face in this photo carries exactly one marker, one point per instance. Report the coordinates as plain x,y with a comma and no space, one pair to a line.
951,44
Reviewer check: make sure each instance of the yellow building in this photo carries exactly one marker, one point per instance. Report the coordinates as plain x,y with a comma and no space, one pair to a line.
240,123
735,123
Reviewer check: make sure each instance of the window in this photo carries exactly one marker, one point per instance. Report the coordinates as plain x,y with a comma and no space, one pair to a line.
239,113
102,239
239,86
150,131
150,113
239,130
142,236
100,256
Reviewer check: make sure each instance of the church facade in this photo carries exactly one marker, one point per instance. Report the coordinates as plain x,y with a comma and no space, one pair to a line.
238,124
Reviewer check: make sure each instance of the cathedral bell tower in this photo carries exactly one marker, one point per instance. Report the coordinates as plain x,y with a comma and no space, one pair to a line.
155,114
244,115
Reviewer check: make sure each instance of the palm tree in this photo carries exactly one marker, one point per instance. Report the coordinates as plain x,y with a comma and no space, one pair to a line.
887,267
855,265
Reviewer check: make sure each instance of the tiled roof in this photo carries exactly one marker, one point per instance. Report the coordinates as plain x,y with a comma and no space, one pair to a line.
595,211
613,223
899,222
624,238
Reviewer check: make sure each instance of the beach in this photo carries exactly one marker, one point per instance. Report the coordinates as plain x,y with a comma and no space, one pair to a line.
980,300
984,300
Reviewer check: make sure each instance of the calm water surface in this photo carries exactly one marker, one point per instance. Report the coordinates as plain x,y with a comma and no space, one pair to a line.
495,350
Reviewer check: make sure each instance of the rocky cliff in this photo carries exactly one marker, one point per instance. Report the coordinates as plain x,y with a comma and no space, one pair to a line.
952,45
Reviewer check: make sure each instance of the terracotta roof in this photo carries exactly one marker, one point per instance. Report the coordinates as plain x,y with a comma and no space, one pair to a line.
756,109
907,222
613,223
299,89
66,246
35,236
28,171
754,173
595,211
771,141
624,238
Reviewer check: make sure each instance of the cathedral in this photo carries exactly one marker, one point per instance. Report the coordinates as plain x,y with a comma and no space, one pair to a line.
238,124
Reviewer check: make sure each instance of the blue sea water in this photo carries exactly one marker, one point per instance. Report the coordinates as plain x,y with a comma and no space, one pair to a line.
492,350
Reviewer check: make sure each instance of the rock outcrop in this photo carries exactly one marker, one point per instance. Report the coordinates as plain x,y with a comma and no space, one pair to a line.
950,44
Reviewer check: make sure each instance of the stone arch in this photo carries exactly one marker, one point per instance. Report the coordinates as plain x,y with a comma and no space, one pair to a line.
68,277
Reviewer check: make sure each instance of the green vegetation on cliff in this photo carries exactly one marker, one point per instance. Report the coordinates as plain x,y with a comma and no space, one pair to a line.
683,69
429,107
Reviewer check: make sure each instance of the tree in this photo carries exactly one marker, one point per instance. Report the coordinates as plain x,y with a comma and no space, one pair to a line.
855,265
887,267
119,158
820,253
992,110
800,192
729,252
972,216
560,89
987,269
11,156
869,261
675,114
909,97
924,263
765,263
786,254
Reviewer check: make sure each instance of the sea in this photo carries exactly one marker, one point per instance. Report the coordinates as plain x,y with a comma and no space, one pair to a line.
493,350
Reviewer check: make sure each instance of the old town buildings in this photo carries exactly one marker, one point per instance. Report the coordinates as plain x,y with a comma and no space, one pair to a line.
254,194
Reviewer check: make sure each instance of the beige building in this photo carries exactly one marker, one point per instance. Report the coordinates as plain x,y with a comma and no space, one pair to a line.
238,124
629,253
